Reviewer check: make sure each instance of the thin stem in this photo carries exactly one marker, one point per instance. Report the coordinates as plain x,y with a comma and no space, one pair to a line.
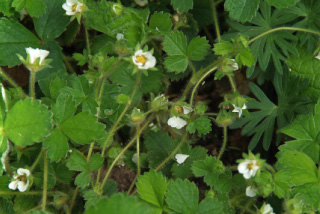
68,65
198,83
225,137
87,40
172,153
45,181
73,199
123,151
90,152
36,161
283,28
192,67
215,19
138,150
33,209
32,84
6,77
132,184
233,84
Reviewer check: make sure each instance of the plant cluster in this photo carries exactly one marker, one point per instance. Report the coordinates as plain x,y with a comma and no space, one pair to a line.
113,88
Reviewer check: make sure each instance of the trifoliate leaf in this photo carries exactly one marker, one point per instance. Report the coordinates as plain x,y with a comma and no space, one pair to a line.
201,124
57,145
152,187
96,162
182,196
12,42
182,6
83,179
160,21
77,161
282,3
243,10
27,122
198,48
36,8
120,204
83,128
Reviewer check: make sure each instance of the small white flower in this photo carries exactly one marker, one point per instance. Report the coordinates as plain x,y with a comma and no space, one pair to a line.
141,3
181,158
21,180
248,168
144,60
37,53
72,7
267,209
250,192
235,65
134,158
120,36
238,109
186,109
176,122
318,56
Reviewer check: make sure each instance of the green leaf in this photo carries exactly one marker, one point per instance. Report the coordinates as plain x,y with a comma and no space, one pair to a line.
177,63
28,122
182,6
120,204
209,206
175,43
182,196
243,10
36,8
55,86
198,48
62,173
77,161
160,21
282,3
96,162
83,179
23,203
202,124
298,166
19,4
152,187
83,128
57,145
308,195
53,22
63,109
223,48
14,38
6,206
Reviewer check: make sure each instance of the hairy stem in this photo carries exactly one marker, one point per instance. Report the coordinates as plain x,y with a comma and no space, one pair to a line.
225,137
32,84
35,163
215,19
45,181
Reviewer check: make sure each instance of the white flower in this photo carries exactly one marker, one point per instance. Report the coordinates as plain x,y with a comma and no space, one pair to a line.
267,209
144,60
181,158
235,65
37,53
21,180
318,56
250,192
186,109
72,7
134,158
120,36
176,122
238,109
141,3
248,168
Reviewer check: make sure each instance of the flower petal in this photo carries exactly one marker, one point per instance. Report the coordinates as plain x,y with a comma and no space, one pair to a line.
181,158
22,171
13,185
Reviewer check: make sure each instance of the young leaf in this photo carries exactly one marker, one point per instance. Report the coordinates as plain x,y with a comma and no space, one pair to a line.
242,10
83,128
182,196
57,145
202,124
182,6
152,187
198,48
12,42
27,122
77,161
53,22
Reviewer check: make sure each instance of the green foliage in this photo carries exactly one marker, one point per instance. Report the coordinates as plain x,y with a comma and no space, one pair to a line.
182,6
77,161
57,145
284,3
160,21
36,8
201,124
242,10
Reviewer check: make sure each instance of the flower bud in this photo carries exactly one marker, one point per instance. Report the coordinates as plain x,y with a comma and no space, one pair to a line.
224,118
137,116
117,8
159,101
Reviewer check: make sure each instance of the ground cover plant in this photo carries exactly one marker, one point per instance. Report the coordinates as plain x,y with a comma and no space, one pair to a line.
159,106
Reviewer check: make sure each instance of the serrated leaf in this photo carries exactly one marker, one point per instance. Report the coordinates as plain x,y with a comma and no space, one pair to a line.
96,162
63,109
77,161
55,86
175,43
209,206
182,6
202,124
177,63
120,204
182,196
19,4
28,122
243,10
160,21
83,128
83,179
308,195
36,8
14,38
53,22
223,48
152,187
198,48
282,3
57,145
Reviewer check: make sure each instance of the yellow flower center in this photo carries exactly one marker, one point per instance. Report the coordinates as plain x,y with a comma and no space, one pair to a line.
179,109
251,165
142,59
23,178
74,8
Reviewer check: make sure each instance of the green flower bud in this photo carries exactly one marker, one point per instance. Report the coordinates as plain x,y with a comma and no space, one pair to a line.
224,118
137,116
117,9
